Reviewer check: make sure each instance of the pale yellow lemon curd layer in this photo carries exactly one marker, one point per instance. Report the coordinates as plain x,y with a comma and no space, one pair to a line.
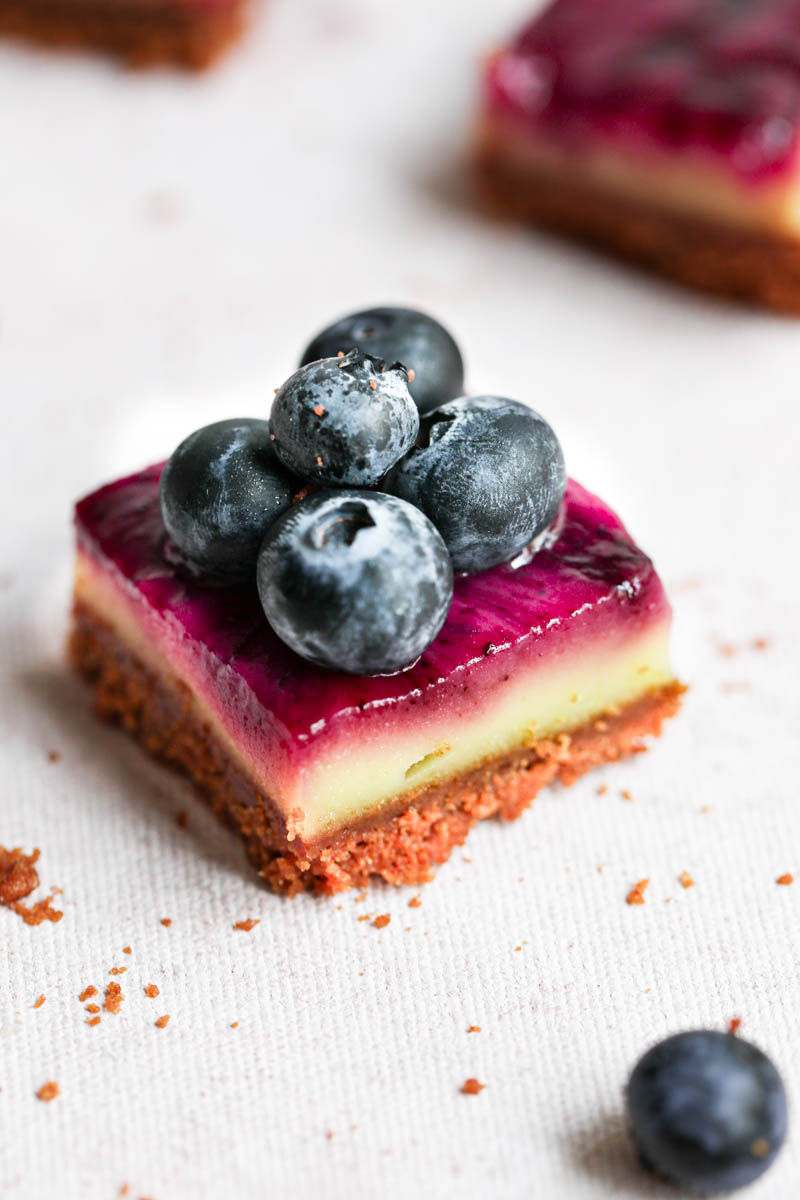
525,654
690,183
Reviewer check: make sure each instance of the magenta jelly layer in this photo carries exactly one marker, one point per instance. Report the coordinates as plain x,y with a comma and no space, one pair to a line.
593,595
716,76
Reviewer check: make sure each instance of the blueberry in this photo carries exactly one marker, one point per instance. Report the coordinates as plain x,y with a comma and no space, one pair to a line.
220,491
490,475
401,334
707,1111
344,421
357,581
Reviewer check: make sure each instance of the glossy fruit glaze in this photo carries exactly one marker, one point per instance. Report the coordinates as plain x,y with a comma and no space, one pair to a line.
720,77
593,588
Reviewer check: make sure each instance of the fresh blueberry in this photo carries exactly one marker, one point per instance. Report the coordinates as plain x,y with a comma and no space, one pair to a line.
357,581
401,334
220,491
344,421
490,475
707,1111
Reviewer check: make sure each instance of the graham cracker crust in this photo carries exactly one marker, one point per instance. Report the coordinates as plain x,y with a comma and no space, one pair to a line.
401,845
141,33
750,266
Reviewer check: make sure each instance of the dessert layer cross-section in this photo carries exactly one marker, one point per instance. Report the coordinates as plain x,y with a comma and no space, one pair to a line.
666,130
187,33
542,670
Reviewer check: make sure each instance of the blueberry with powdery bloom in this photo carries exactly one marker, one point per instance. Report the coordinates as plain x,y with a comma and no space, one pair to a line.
707,1111
357,581
220,491
404,335
489,473
344,421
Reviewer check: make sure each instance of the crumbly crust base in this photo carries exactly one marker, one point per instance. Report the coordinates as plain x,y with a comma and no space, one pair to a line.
748,265
401,845
141,34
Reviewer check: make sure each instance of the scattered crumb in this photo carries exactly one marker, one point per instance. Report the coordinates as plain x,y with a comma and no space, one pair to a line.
364,917
735,686
93,1008
785,880
329,1134
636,894
92,1021
473,1029
626,794
647,991
471,1087
247,925
382,921
319,410
117,970
373,385
167,921
123,1191
759,1147
39,1001
685,879
182,819
318,460
705,809
88,992
415,902
38,913
234,1024
518,947
48,1091
360,898
127,950
601,791
114,998
761,643
163,1022
735,1025
54,756
601,868
727,649
151,991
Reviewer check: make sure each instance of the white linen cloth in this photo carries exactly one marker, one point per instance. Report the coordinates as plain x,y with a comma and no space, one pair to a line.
168,246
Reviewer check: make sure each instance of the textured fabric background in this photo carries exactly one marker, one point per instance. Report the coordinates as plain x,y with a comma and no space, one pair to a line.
168,245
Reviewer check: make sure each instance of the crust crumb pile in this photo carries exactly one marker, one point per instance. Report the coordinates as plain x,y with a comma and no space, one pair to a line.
785,880
18,878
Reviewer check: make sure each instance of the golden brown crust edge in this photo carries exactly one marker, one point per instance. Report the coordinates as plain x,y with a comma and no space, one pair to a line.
141,35
750,266
403,848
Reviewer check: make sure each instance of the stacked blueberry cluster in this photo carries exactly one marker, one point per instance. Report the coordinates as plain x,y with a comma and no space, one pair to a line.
369,486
